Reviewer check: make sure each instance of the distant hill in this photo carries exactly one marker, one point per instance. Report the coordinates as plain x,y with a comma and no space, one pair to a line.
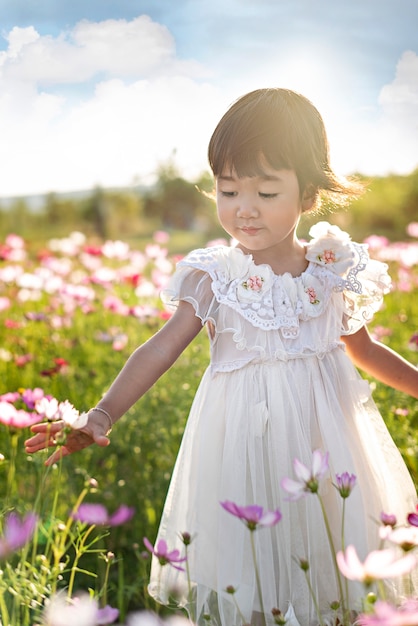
36,201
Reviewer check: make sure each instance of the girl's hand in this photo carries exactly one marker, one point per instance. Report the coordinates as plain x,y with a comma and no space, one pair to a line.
48,435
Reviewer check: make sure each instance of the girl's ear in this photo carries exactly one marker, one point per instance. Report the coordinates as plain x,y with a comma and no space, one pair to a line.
309,197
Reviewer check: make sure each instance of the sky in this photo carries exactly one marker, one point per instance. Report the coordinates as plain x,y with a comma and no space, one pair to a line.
105,92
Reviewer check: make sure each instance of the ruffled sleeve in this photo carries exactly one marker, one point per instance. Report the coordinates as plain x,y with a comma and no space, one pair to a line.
363,281
192,283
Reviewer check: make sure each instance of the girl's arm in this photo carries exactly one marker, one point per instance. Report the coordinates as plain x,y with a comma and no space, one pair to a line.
381,362
143,368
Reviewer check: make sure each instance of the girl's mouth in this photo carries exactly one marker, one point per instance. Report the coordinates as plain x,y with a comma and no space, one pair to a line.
250,230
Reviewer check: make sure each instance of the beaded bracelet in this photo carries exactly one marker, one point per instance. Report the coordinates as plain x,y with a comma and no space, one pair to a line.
99,408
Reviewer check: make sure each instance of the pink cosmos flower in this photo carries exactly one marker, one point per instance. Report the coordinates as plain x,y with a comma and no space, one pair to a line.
161,236
252,515
16,418
412,229
96,514
378,564
345,483
384,614
164,556
376,241
4,303
17,532
308,478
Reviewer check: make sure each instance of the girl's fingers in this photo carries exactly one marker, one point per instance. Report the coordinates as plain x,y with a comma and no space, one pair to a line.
47,427
39,442
47,436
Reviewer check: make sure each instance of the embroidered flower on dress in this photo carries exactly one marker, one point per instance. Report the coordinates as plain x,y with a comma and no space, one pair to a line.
330,247
310,292
312,295
255,284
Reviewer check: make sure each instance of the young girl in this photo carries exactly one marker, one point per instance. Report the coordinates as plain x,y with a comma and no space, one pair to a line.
287,326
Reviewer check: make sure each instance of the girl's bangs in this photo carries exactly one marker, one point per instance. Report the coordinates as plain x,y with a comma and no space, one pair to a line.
249,156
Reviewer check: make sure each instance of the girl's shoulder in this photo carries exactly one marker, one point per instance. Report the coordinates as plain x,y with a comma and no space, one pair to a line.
347,263
218,260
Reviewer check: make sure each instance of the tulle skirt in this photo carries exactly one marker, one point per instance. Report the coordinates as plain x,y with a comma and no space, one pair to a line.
244,430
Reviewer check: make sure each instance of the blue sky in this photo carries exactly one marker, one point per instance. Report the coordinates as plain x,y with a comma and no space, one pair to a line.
103,91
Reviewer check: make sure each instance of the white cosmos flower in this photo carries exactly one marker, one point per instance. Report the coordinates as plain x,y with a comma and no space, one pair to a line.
48,408
378,564
405,537
72,417
81,610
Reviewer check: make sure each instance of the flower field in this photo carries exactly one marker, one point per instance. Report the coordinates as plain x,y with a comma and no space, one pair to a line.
71,312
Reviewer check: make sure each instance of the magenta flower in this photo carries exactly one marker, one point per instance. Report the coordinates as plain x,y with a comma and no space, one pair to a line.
413,342
388,519
17,532
345,483
252,515
413,518
378,564
384,614
308,478
163,555
31,396
97,515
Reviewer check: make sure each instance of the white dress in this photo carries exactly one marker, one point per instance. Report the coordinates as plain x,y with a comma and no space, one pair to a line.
279,386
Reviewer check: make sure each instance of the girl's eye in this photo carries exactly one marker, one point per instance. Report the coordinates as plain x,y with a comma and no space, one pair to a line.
268,195
229,194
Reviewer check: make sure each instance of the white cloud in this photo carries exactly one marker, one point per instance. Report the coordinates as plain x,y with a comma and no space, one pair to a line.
112,48
388,141
106,102
117,131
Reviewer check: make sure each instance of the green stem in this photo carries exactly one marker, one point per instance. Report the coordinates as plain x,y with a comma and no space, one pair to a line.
334,558
14,438
105,583
60,550
257,578
315,601
343,549
238,609
3,608
189,587
79,553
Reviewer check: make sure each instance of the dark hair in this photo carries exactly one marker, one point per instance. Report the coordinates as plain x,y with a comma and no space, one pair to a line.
283,129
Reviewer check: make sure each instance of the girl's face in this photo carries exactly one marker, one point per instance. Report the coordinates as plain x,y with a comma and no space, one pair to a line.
261,212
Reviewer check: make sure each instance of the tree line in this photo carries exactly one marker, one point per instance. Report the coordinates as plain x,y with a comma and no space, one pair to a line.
173,203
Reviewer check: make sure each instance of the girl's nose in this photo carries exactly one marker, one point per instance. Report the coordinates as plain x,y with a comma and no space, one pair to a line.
246,208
